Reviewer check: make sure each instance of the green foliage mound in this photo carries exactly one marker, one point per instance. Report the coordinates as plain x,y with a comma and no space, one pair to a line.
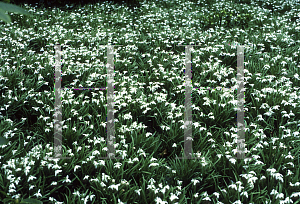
75,3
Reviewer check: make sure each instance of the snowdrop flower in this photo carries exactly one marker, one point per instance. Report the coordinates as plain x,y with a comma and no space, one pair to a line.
260,117
238,202
158,200
38,194
57,172
272,170
206,198
127,116
153,164
67,180
120,202
114,186
118,165
36,108
76,167
31,178
216,194
173,197
27,169
138,191
76,193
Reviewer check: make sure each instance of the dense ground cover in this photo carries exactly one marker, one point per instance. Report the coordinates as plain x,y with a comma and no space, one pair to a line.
149,103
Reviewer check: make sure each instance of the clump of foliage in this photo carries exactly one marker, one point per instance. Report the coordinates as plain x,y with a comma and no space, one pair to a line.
63,3
232,18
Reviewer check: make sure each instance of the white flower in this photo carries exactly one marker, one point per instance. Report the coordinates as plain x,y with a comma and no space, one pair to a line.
67,179
31,178
27,169
153,164
232,160
76,193
114,186
127,116
206,198
76,167
118,165
280,195
216,194
245,193
173,197
278,176
233,186
195,181
158,200
57,172
119,201
138,191
36,108
272,170
196,124
38,194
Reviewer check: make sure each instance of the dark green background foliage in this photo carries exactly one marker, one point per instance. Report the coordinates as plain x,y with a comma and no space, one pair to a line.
75,3
5,1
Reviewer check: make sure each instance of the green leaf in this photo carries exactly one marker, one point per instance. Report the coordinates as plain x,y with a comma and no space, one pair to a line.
4,16
14,9
3,141
31,200
4,193
11,8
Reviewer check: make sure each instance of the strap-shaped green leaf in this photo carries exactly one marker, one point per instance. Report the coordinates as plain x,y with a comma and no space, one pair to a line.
13,8
4,16
3,141
32,201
